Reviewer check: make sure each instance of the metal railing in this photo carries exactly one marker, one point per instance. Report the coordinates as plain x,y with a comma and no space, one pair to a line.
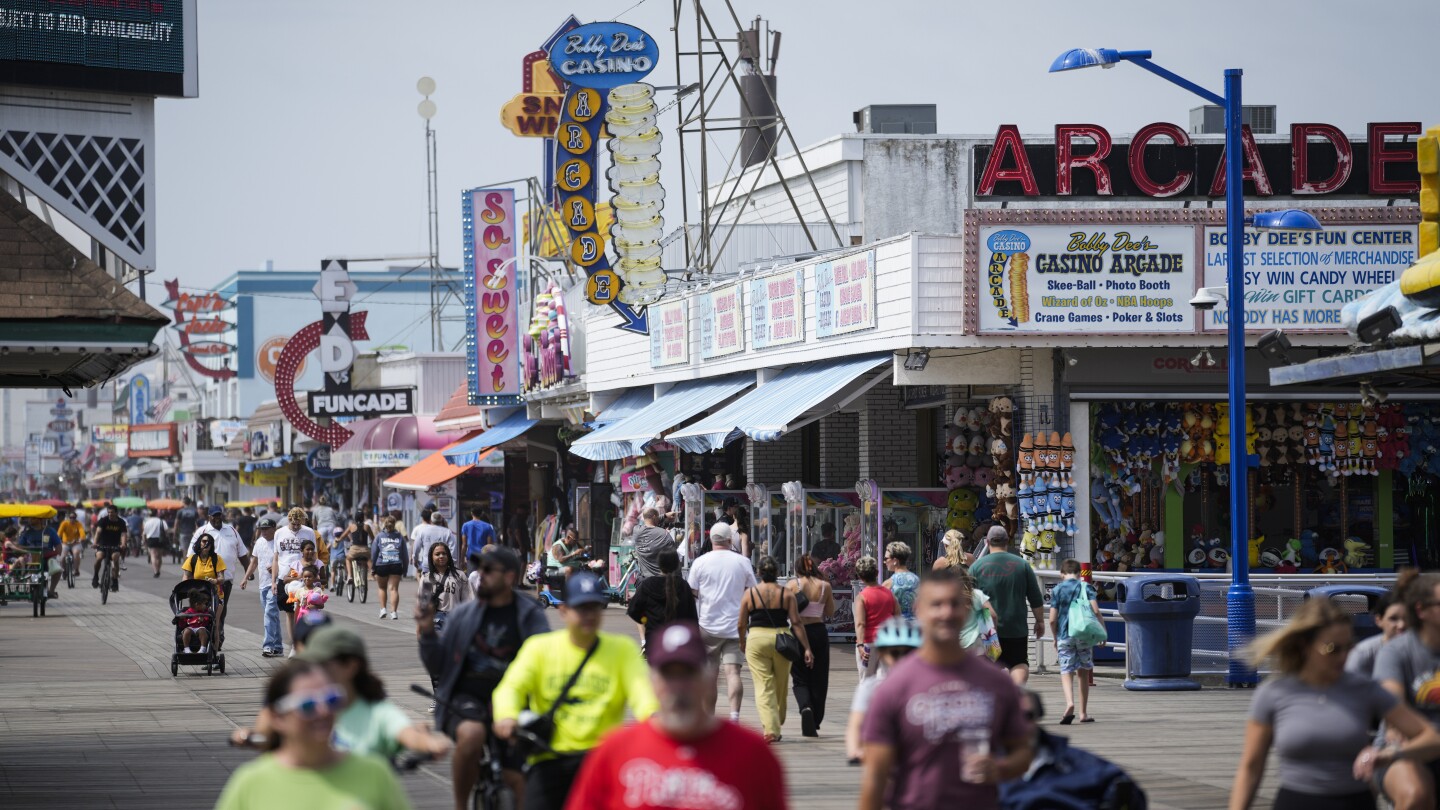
1277,597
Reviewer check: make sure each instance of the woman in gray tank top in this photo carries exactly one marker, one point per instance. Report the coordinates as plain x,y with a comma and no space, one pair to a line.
1317,717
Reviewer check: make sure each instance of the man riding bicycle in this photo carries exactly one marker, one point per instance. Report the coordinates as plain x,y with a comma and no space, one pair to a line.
468,658
72,538
110,532
583,680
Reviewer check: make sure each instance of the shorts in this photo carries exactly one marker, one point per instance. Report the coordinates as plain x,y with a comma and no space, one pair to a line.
109,549
722,650
1074,657
155,542
469,708
1378,782
1014,652
389,570
1288,799
336,555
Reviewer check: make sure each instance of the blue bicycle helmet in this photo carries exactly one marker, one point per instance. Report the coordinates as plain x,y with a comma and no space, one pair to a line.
898,631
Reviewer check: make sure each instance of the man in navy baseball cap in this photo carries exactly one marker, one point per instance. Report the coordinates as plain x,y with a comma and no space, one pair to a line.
584,588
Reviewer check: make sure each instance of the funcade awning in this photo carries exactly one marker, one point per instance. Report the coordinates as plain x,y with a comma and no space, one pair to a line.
798,396
628,437
433,470
470,450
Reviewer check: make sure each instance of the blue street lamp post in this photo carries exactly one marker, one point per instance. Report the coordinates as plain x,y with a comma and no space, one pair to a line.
1240,599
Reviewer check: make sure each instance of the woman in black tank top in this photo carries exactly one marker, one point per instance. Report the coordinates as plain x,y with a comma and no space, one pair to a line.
767,611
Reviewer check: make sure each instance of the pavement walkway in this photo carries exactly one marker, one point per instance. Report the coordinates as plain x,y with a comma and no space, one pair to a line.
90,716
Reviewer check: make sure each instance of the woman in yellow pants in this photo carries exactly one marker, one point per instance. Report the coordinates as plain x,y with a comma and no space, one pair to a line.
767,611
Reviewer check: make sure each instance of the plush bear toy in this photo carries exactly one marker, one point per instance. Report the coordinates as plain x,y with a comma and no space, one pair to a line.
1357,553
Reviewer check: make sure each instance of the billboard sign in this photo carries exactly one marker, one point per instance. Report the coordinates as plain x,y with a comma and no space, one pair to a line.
493,296
140,47
670,339
604,55
845,295
721,322
138,392
777,309
367,403
1074,278
153,441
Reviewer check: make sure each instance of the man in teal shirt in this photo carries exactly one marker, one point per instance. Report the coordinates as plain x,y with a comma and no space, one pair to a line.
1010,583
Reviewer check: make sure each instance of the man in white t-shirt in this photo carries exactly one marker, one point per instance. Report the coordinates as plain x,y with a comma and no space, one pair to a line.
719,580
288,539
262,563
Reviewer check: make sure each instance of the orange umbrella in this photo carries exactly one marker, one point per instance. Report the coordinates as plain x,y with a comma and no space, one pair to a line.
58,504
165,503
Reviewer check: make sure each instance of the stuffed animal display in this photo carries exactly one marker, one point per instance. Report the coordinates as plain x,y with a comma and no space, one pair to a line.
967,444
1046,494
1002,488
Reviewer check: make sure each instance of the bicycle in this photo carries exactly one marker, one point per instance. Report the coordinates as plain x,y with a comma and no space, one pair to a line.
358,574
341,577
491,791
107,572
69,564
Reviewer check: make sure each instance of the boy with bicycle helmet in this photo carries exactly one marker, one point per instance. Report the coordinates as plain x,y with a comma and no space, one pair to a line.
897,638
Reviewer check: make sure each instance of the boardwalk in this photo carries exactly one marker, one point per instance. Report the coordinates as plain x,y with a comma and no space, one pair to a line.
91,718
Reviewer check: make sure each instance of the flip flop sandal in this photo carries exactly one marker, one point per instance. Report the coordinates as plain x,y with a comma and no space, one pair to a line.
1068,718
1088,720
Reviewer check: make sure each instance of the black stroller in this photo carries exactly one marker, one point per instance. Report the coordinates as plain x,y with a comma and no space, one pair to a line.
212,659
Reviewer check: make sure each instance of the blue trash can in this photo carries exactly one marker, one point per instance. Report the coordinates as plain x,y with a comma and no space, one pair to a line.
1365,626
1159,613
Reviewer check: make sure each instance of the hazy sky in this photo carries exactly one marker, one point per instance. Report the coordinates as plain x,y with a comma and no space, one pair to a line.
305,142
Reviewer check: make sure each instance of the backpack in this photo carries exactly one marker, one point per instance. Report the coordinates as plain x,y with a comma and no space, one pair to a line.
1066,778
1082,624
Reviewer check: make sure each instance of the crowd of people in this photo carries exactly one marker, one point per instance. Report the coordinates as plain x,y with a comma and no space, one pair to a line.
939,718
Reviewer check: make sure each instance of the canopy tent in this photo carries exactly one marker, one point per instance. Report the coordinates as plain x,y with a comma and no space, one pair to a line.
798,396
396,441
469,451
628,436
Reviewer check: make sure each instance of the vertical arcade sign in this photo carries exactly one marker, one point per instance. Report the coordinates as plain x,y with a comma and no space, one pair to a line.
592,59
139,395
492,296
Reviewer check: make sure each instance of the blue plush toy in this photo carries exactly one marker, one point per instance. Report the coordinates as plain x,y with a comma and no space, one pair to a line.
1308,554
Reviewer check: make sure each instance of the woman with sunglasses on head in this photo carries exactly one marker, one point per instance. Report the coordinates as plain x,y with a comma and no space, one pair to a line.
301,766
449,586
1317,717
366,721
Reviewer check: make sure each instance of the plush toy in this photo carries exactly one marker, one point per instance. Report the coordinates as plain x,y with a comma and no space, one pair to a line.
1308,539
1218,557
1196,558
1331,563
1357,553
1291,552
1255,543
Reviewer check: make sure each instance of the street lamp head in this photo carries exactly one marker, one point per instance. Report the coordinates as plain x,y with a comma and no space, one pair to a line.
1285,219
1077,58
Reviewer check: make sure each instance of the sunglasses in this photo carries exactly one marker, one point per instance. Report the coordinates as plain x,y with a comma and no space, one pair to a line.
1337,649
311,704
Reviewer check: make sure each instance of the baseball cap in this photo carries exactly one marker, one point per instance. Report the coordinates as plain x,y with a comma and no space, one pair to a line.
265,523
679,643
216,510
329,642
722,533
997,534
584,588
504,557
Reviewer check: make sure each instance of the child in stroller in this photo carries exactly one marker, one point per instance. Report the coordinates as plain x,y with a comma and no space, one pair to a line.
193,603
194,622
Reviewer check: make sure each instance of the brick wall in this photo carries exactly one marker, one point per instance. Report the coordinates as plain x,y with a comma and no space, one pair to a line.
773,463
887,439
839,451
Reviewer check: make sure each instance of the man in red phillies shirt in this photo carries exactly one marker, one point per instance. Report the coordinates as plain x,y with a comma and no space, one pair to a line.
683,756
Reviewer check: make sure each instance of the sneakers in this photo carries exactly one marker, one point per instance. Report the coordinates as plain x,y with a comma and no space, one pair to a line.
95,583
115,586
431,710
269,653
394,615
807,723
204,648
383,611
734,717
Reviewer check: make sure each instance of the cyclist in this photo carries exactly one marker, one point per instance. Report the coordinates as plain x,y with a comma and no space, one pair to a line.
110,532
72,537
37,537
480,639
546,677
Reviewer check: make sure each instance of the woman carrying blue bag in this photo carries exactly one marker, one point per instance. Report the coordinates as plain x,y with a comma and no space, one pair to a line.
1076,627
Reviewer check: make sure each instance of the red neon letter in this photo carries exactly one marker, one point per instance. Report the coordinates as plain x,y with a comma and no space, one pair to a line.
1300,135
1008,139
1066,161
1140,177
1380,155
1254,170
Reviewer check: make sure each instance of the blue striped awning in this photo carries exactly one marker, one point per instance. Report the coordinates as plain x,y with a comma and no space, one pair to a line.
774,408
630,403
469,452
628,436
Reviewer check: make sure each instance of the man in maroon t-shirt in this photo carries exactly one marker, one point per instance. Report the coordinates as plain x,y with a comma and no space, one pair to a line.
683,756
942,710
